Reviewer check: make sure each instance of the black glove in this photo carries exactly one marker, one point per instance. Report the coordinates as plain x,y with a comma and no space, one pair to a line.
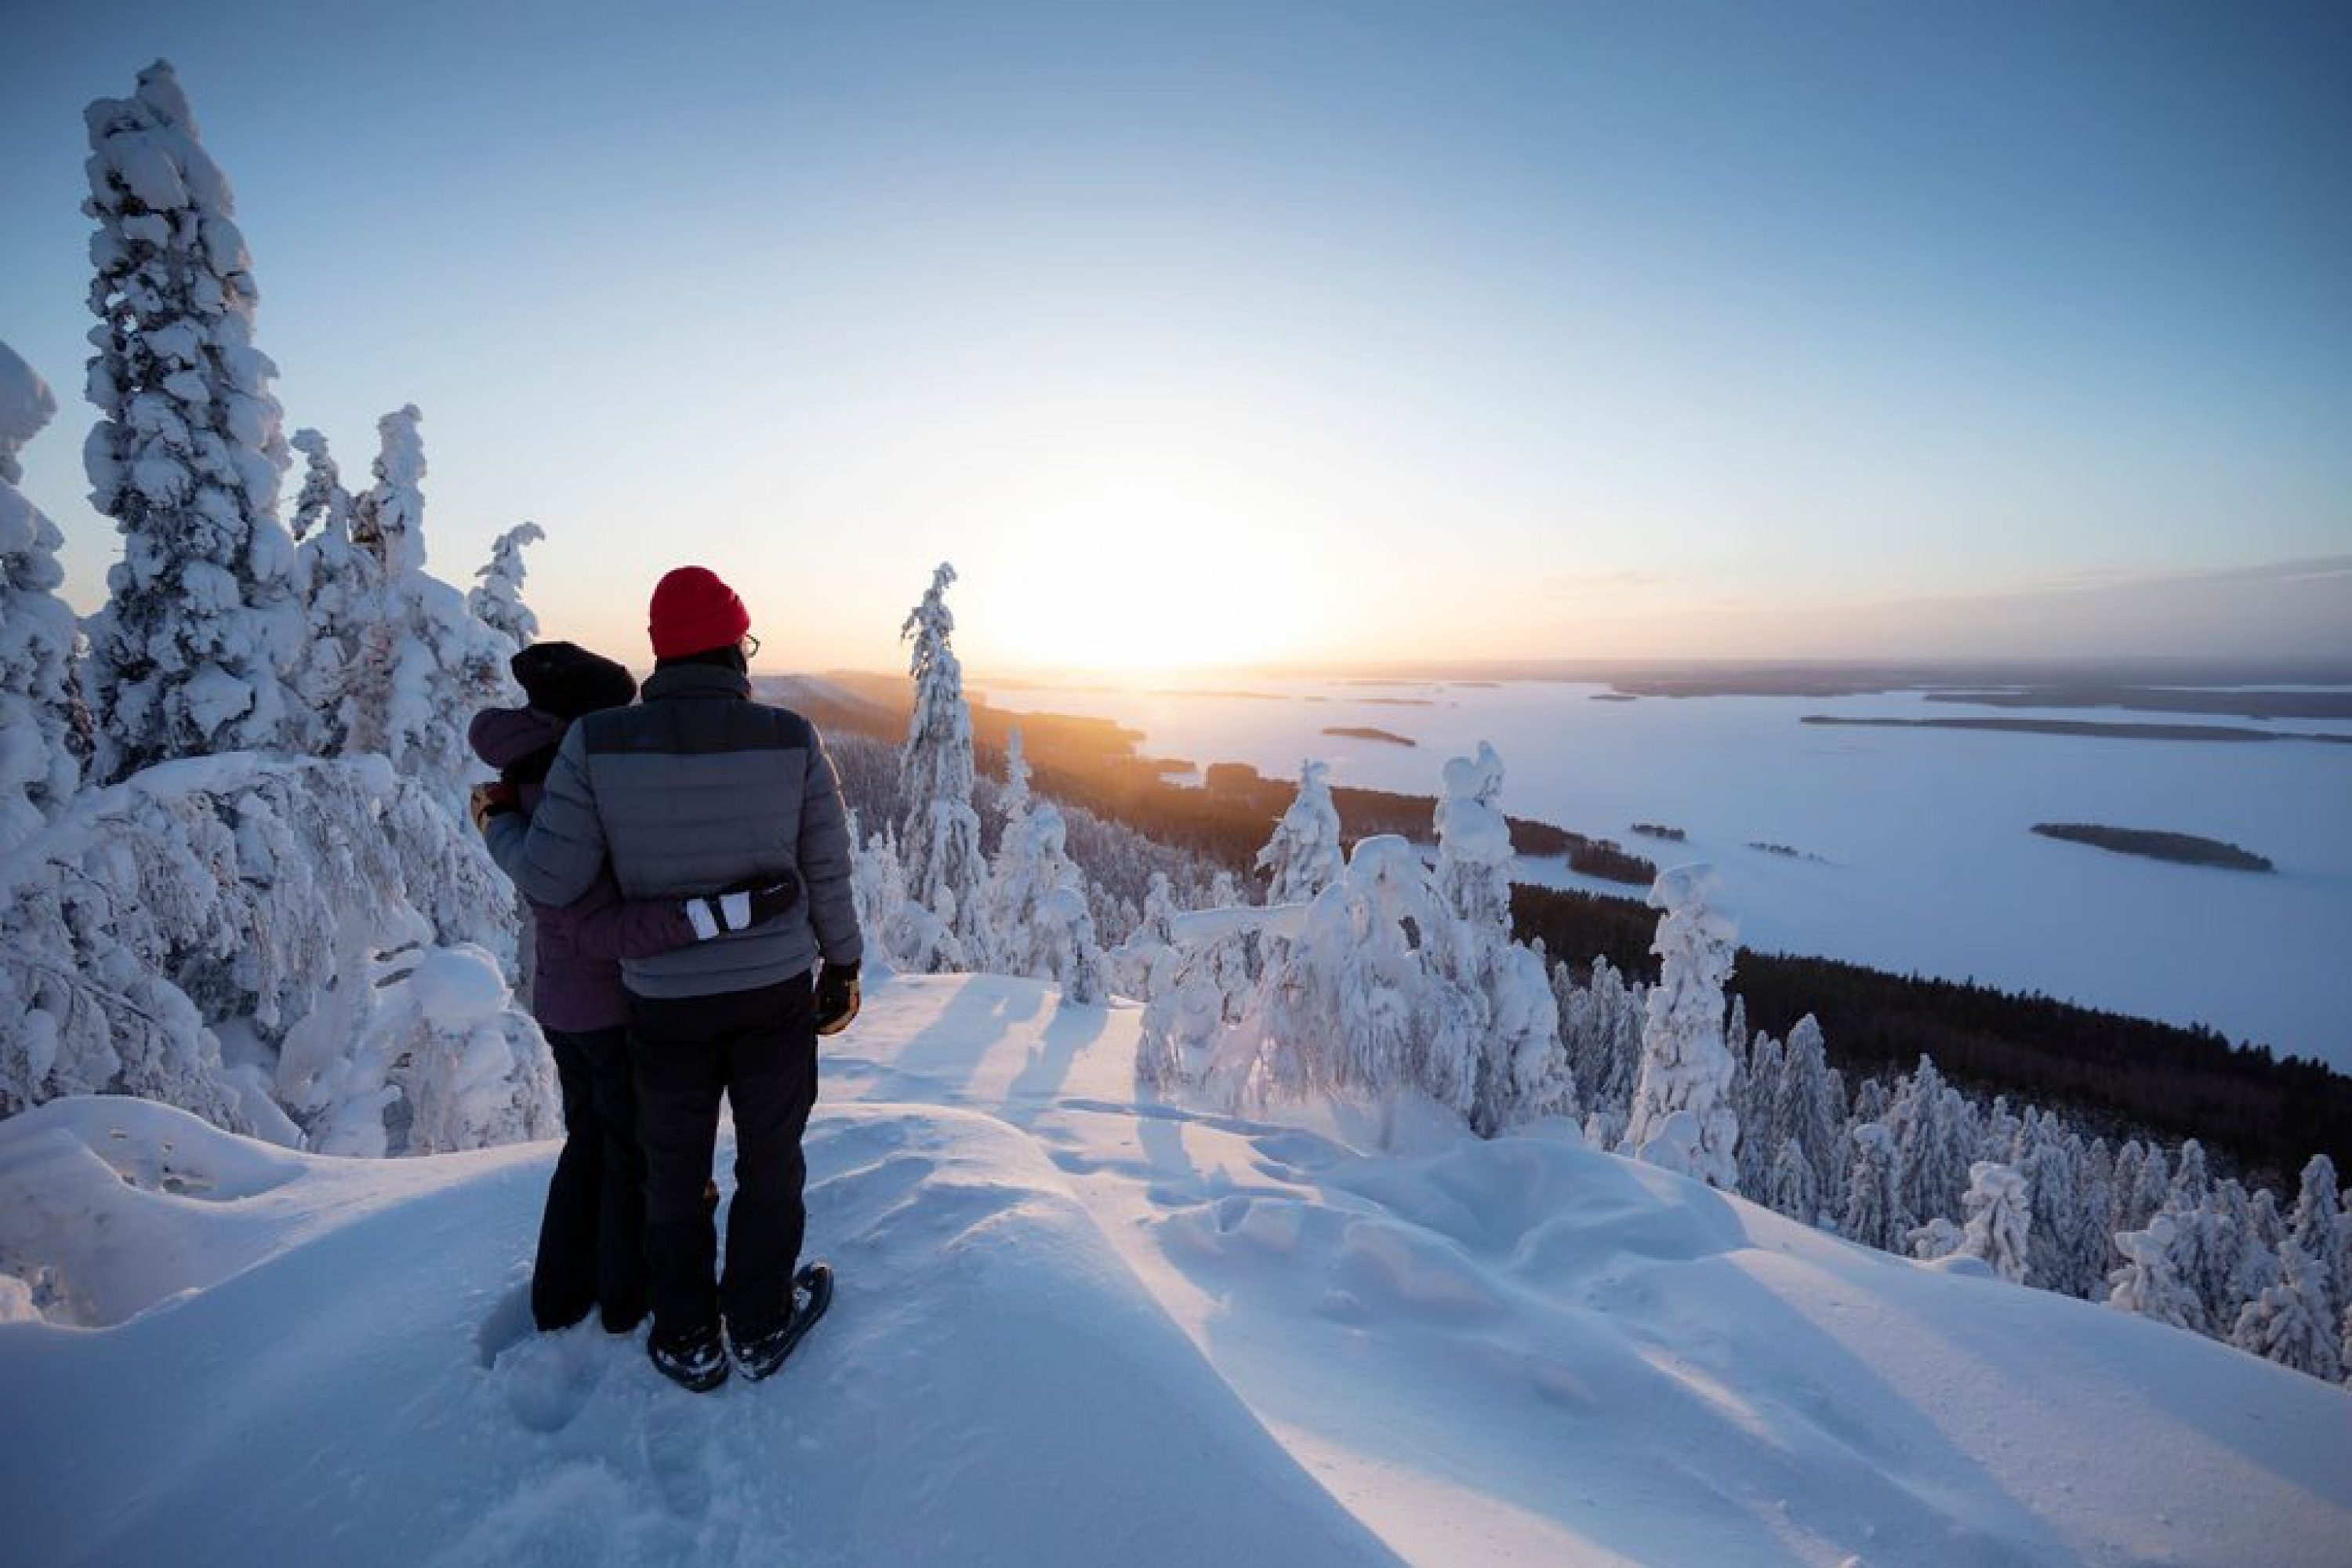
722,914
836,998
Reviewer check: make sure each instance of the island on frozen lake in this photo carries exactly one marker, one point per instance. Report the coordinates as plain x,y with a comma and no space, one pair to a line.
2187,848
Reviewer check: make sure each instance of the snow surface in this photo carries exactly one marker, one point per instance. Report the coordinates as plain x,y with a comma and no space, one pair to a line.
1075,1328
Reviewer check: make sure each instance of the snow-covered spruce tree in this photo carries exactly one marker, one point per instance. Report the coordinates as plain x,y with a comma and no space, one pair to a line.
1355,1004
2261,1237
1600,1028
1758,1109
1789,1186
2319,1228
1520,1067
900,932
1936,1137
343,588
2091,1248
1303,857
2148,1283
42,723
1874,1191
1197,1013
426,663
1033,918
2000,1217
1147,959
2289,1323
498,602
938,841
1682,1116
284,903
2150,1187
2061,1257
191,653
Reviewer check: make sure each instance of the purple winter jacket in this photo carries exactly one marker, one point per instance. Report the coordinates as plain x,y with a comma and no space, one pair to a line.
578,984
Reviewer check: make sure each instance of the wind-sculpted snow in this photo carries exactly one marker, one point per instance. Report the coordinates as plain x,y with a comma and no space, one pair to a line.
994,1385
1075,1326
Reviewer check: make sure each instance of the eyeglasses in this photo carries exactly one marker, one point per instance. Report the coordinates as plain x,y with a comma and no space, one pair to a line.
751,645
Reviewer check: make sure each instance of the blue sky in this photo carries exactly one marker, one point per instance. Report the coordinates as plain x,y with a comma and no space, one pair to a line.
1206,332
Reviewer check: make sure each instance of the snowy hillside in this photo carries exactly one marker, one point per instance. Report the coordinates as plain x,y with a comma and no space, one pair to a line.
1074,1329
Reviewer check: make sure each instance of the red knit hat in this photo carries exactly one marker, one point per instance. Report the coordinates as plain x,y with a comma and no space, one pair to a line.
693,612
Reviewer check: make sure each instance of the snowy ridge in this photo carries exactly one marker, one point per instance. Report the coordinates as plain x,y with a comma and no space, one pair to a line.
1074,1327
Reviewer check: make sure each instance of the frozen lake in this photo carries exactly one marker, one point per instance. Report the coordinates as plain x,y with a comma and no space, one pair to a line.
1924,858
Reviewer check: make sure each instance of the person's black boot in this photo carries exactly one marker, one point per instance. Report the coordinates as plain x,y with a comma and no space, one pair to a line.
762,1353
697,1359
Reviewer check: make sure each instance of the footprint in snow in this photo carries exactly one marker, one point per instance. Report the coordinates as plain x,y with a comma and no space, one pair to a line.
550,1378
677,1444
508,1325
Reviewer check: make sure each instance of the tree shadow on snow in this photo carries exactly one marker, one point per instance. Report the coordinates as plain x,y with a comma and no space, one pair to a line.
948,1051
1073,1029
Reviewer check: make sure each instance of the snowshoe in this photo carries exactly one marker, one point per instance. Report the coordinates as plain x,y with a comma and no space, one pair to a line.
761,1354
698,1362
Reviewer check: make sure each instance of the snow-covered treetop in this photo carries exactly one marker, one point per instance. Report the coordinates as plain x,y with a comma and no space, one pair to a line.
27,405
1469,824
929,624
1688,893
1303,857
390,519
498,601
323,499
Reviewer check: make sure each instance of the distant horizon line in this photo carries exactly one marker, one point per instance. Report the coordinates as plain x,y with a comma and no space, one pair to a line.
2191,671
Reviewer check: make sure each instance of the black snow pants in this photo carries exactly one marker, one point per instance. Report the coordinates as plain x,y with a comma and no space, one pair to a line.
759,1048
592,1239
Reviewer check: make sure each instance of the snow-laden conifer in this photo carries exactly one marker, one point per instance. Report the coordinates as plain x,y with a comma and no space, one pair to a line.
1682,1115
1874,1213
2191,1181
2062,1255
2150,1187
426,664
1303,857
1935,1138
1520,1067
2149,1282
1758,1107
2319,1228
900,932
2260,1237
2000,1219
342,589
1033,918
1141,964
192,651
1600,1028
1197,1018
1811,1106
286,901
938,841
1789,1184
1354,1002
42,723
498,601
2290,1322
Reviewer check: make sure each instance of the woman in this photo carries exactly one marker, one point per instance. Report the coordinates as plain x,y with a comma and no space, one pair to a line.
592,1236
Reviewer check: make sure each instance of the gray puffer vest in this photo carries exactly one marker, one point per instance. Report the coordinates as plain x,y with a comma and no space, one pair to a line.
695,790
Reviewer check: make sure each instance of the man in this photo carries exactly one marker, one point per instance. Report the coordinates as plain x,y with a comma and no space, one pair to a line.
697,788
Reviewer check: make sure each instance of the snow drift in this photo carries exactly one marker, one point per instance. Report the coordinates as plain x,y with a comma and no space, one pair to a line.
1075,1326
